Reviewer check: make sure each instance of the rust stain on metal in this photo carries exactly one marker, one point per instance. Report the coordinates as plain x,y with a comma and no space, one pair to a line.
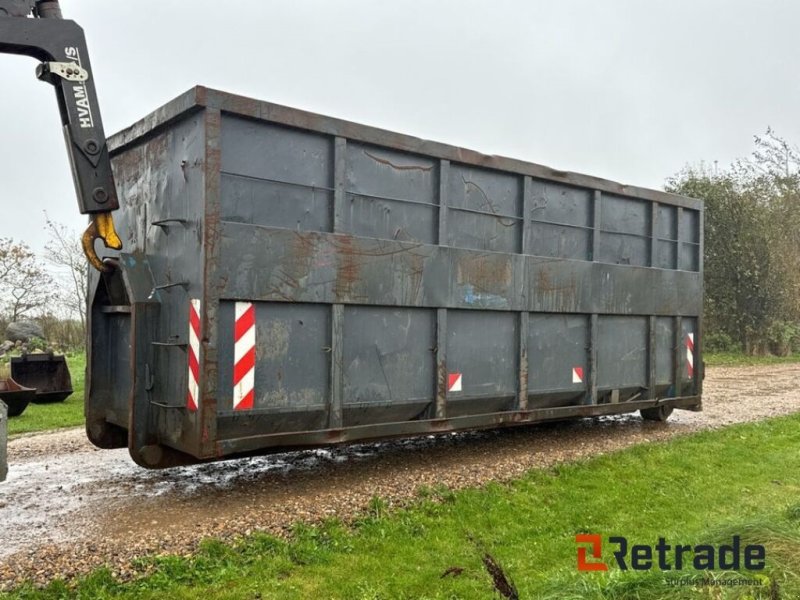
245,106
485,272
523,380
441,388
439,425
545,284
349,267
301,255
303,252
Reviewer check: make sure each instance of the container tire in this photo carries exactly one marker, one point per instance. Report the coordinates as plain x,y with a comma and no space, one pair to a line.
658,413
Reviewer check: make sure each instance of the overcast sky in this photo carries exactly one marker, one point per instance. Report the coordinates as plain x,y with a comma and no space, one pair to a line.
623,89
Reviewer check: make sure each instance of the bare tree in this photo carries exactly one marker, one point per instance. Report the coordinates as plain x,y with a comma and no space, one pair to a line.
64,252
24,286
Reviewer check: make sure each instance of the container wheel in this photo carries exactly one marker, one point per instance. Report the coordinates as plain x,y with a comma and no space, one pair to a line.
657,413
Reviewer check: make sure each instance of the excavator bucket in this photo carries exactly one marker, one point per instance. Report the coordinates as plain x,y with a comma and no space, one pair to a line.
46,373
15,396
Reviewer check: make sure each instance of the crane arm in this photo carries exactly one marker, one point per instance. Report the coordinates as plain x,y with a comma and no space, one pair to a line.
36,28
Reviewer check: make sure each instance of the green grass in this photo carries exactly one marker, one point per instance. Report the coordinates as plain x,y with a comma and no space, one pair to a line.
701,488
41,417
737,359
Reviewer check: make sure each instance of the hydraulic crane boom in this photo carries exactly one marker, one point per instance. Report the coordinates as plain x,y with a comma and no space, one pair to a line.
36,28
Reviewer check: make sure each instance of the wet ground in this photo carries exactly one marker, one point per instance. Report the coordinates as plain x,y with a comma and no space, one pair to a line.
68,507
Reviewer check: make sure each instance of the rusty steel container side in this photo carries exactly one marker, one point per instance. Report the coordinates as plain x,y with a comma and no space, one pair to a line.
290,279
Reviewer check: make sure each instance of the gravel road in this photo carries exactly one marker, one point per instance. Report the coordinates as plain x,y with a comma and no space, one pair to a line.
68,508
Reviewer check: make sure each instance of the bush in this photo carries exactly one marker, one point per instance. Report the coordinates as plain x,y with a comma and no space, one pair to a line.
751,257
721,342
783,338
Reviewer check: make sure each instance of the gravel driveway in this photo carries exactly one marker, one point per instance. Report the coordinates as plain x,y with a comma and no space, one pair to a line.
68,508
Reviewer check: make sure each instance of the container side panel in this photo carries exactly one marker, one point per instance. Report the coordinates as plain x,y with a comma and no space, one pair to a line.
670,290
292,367
560,221
312,267
388,355
482,348
161,185
622,352
666,254
292,266
176,256
485,209
483,232
690,225
559,286
390,195
557,353
622,249
111,371
666,233
259,202
556,203
665,351
624,215
481,190
485,280
376,272
620,290
389,219
689,251
667,223
560,241
274,175
625,231
690,240
690,256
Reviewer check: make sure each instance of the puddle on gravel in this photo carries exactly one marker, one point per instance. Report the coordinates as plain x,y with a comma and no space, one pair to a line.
55,496
52,498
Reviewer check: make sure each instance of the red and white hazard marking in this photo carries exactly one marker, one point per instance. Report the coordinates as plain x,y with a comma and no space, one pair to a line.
244,351
577,374
193,397
454,382
690,354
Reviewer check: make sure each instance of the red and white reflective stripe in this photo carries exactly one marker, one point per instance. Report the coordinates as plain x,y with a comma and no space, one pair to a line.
244,361
577,374
193,397
454,382
690,354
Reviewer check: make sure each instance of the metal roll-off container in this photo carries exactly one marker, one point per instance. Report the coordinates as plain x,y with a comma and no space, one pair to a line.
294,280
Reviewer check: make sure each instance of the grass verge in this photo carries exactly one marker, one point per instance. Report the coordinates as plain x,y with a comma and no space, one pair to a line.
703,488
737,359
42,417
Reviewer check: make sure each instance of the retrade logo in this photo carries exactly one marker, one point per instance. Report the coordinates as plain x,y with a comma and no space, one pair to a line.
666,557
596,544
